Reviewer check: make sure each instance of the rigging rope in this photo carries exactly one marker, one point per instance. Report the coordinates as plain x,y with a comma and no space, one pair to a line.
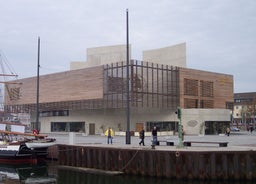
5,63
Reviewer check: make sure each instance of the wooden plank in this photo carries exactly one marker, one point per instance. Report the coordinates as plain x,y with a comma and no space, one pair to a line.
24,134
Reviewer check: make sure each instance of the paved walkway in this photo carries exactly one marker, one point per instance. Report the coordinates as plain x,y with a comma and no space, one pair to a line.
236,141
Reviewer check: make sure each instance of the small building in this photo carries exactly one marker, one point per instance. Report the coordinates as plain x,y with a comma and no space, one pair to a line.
244,113
92,96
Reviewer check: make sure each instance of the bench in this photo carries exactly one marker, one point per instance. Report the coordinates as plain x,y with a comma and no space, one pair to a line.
167,142
221,144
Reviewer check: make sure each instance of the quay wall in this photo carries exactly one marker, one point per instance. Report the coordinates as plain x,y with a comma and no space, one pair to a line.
179,163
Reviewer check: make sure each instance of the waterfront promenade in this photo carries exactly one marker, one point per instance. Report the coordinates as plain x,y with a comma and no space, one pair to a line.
237,140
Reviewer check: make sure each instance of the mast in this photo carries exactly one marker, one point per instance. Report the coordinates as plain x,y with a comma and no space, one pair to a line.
12,88
37,87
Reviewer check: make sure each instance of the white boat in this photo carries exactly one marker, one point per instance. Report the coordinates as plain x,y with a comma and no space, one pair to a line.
19,147
37,144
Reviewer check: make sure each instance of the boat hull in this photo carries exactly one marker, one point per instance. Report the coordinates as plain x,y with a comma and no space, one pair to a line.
20,154
19,160
35,145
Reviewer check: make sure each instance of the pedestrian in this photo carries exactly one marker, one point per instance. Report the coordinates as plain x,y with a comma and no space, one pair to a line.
154,135
182,133
110,134
251,129
228,131
142,136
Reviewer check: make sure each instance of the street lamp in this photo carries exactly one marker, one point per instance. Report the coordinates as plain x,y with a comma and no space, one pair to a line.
180,129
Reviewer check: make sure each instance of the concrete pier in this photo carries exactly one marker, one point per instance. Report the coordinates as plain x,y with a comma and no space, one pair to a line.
235,162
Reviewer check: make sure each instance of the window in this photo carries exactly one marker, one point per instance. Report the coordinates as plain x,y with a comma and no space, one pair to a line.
208,104
116,84
54,113
237,100
162,126
206,89
190,103
190,87
67,127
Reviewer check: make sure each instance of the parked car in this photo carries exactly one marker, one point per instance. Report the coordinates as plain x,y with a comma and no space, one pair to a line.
234,129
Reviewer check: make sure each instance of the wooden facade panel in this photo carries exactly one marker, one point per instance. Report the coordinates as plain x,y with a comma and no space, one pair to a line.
83,84
222,87
151,85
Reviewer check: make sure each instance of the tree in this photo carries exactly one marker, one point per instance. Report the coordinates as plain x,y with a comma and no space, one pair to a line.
250,111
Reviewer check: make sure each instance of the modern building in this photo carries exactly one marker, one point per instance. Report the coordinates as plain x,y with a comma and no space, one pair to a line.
244,113
92,96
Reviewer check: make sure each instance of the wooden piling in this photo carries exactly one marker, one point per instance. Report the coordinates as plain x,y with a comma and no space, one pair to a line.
179,164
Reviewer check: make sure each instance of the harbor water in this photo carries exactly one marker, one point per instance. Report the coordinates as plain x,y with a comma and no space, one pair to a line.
51,173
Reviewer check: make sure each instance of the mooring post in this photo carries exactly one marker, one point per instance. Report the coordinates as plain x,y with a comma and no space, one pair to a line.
72,137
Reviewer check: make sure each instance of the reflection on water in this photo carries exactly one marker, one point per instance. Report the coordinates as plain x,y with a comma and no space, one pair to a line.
26,174
67,177
49,174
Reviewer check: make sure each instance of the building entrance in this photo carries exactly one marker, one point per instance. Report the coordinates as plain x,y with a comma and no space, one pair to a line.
91,129
216,127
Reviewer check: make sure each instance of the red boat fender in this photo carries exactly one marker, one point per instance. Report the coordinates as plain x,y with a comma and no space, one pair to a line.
35,132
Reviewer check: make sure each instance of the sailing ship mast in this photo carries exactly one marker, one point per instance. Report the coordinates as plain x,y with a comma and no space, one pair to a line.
12,88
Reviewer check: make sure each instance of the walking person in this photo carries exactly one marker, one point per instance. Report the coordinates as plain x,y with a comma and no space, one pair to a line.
110,134
142,136
251,129
154,135
228,131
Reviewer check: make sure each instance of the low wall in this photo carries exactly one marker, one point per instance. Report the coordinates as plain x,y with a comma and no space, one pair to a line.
180,164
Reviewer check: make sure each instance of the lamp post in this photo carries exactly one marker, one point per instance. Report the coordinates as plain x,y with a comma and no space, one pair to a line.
181,133
128,135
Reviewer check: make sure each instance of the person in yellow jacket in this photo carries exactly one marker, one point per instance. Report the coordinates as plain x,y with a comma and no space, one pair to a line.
110,134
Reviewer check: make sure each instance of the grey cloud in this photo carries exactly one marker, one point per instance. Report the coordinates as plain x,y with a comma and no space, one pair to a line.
220,35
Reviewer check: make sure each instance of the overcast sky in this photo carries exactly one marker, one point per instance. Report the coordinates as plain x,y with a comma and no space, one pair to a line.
220,34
